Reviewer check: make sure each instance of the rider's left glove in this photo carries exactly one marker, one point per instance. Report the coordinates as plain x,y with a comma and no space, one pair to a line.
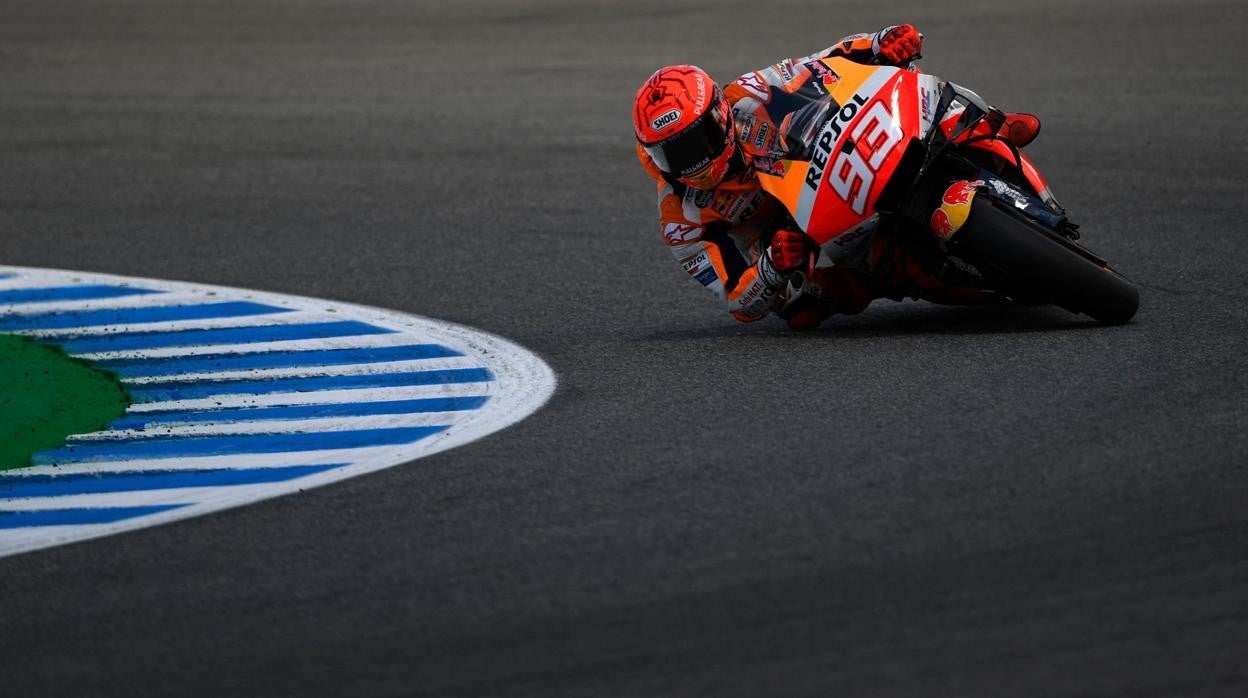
898,45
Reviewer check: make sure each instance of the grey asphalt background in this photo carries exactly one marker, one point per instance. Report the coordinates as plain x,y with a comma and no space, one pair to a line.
917,501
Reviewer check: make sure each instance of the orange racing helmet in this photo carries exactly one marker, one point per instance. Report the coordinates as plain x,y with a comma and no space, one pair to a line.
684,125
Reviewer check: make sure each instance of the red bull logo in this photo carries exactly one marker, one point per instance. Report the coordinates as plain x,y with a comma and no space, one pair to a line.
961,192
955,207
941,226
826,75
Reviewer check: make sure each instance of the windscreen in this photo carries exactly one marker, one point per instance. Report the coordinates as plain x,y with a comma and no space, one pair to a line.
798,128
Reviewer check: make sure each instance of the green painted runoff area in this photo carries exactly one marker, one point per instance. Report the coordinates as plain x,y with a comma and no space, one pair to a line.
45,396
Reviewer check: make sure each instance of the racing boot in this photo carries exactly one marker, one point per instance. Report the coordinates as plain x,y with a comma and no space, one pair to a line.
825,292
804,306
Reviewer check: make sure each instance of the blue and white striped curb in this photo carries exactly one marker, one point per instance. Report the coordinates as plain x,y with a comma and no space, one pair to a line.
242,395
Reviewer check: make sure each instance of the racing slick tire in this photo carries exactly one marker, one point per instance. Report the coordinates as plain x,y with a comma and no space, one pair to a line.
1032,260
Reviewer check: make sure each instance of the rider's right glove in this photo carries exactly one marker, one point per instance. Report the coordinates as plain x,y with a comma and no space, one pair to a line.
899,45
788,251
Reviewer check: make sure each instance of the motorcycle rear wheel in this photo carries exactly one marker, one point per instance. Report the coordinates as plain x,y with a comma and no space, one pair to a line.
1028,258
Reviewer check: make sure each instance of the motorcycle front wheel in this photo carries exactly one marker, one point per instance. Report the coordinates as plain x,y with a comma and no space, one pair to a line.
1030,259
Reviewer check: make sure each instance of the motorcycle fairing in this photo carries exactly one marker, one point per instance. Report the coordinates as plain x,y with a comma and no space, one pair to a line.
832,176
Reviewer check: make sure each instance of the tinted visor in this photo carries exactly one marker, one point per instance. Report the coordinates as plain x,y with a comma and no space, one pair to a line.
696,146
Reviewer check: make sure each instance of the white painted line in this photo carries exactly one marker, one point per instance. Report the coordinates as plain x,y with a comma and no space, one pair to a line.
324,425
258,460
321,397
363,341
276,318
434,364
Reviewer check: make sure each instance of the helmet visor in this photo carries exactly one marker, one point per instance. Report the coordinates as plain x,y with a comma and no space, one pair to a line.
696,146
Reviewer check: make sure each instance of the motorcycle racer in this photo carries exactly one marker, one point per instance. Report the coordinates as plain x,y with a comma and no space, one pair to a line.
704,145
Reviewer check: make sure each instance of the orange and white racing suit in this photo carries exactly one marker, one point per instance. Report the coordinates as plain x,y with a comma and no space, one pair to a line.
718,235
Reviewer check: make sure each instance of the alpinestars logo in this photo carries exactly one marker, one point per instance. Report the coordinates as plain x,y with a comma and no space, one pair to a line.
676,233
756,86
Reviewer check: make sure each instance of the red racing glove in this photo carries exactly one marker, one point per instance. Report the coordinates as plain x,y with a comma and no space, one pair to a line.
898,45
789,250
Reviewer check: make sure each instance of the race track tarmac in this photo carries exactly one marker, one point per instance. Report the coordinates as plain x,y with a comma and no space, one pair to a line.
917,501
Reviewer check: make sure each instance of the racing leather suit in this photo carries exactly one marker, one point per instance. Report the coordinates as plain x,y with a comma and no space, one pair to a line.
717,235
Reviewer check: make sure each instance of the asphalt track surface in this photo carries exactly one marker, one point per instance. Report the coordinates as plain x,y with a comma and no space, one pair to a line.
917,501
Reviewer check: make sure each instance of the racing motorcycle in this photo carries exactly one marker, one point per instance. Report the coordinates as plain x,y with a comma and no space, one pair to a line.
883,150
